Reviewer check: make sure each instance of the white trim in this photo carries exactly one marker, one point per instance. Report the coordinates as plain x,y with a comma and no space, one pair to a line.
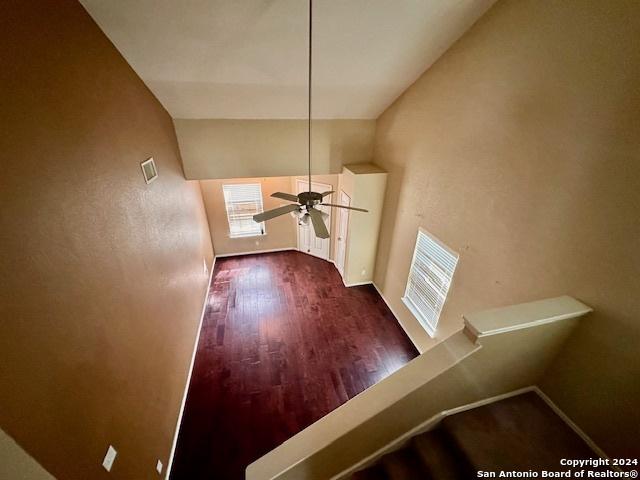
439,242
524,315
314,255
415,344
333,260
193,359
360,409
340,233
486,401
592,445
430,326
151,161
431,423
330,260
431,331
425,426
263,234
527,325
251,252
356,284
230,202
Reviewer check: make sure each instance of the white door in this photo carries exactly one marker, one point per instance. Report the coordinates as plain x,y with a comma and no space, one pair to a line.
343,225
307,240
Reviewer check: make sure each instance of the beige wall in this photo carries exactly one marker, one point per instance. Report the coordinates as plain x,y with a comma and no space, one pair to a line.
16,464
281,231
520,150
101,275
270,148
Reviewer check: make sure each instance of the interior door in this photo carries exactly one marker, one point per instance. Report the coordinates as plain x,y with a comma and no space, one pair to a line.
343,225
307,240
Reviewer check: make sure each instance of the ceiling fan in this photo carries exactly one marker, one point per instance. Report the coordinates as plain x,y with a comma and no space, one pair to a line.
305,202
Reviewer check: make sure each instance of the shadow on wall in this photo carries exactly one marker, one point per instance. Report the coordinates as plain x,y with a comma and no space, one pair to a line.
612,342
217,149
602,230
520,147
395,179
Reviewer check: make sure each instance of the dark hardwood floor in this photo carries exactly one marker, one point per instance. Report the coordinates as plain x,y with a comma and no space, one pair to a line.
283,343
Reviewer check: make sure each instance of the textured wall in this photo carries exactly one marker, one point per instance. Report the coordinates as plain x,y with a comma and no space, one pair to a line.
281,231
16,464
271,148
101,275
520,150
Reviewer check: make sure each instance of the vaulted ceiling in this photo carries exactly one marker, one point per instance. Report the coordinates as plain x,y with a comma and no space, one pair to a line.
247,59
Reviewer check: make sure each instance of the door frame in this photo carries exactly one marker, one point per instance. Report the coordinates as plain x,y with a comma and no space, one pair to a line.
327,187
340,233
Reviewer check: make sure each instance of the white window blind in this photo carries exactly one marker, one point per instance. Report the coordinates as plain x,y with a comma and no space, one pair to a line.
243,201
430,276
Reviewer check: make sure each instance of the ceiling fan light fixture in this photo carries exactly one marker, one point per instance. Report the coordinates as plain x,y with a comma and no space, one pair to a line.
304,202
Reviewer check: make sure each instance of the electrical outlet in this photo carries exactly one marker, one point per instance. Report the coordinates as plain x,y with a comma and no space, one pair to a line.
205,269
159,466
364,272
110,456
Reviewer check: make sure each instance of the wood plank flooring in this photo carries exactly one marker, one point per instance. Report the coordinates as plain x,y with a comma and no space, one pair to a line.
283,343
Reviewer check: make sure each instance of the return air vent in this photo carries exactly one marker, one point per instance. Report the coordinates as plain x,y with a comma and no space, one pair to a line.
149,170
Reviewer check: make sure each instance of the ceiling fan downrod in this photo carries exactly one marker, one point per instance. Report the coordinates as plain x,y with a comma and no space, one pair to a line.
305,202
309,89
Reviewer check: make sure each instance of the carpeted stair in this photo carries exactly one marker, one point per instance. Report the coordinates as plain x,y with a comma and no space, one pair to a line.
518,433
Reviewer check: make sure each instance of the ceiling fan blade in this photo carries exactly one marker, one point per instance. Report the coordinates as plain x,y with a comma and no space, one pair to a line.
318,223
276,212
344,206
324,194
285,196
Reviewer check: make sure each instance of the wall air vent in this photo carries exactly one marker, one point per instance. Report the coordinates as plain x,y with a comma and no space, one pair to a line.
149,170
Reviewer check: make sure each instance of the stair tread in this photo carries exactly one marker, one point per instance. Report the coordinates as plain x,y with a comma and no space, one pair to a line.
517,432
404,464
438,456
374,472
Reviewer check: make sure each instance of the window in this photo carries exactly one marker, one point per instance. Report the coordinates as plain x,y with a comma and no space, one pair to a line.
430,276
243,201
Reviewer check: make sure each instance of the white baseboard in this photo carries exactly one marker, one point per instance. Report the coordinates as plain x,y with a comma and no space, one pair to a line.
354,284
357,284
314,256
437,418
252,252
193,359
572,424
397,317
